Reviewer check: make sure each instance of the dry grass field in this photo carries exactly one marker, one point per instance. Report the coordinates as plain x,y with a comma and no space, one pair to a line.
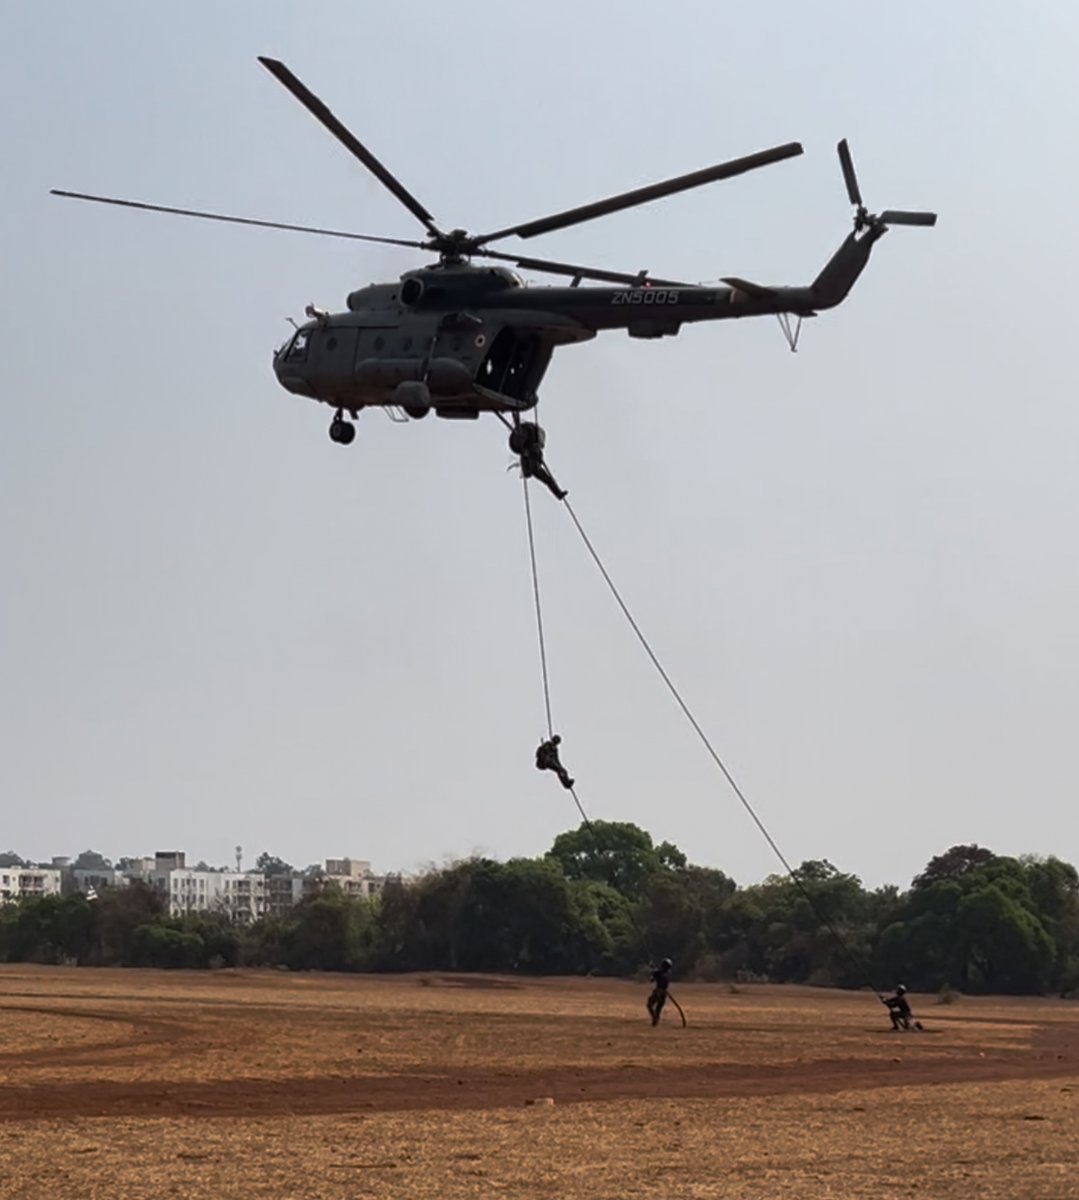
132,1084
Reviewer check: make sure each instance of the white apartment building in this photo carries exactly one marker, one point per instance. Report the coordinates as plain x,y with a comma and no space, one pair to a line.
244,896
241,895
19,882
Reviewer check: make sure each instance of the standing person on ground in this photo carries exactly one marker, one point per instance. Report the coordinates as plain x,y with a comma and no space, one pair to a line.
661,980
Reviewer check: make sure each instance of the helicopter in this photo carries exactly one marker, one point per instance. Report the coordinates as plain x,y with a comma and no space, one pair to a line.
461,339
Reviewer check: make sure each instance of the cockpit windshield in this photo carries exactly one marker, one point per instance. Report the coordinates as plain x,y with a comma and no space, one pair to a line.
296,350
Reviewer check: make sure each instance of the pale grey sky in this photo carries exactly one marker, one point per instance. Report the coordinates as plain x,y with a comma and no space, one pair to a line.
858,562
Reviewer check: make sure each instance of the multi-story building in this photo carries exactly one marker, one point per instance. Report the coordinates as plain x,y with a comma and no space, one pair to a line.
187,891
240,895
283,893
16,883
94,879
352,875
169,860
243,896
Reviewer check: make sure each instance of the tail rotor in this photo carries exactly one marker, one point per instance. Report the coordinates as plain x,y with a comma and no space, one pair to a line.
863,219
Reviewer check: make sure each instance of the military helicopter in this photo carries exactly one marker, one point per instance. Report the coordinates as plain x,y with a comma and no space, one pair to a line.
461,339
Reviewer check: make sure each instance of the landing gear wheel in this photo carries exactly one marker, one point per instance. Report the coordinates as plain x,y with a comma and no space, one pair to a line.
341,431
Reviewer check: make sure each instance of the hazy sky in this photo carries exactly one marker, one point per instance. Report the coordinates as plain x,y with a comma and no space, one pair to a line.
859,562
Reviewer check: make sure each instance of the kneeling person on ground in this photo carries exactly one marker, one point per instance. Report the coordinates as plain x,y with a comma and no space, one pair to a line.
899,1008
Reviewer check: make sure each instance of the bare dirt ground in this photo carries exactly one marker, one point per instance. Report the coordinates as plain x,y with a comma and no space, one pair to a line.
245,1083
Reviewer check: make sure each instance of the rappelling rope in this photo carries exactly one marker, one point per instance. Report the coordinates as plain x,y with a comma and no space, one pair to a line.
641,938
543,644
539,614
860,967
547,685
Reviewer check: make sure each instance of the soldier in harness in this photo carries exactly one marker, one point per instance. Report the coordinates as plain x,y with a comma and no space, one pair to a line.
527,440
661,981
547,760
899,1009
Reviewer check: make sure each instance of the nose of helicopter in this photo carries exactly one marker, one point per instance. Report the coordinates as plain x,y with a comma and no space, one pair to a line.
290,364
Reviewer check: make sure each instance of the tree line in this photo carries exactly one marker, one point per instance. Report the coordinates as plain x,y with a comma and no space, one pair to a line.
605,899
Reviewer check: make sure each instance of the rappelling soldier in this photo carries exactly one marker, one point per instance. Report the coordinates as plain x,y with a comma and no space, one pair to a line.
898,1008
657,998
547,760
527,440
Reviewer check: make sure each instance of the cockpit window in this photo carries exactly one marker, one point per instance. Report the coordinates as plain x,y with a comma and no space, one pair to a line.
297,349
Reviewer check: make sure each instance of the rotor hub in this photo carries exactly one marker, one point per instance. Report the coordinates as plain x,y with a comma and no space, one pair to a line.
452,247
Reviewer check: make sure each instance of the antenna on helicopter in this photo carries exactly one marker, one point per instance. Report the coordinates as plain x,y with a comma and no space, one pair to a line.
864,219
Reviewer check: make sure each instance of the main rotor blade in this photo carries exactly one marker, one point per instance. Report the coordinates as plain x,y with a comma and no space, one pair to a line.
895,216
558,268
654,191
849,177
321,113
209,216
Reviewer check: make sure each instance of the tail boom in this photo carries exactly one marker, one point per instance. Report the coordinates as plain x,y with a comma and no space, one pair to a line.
841,271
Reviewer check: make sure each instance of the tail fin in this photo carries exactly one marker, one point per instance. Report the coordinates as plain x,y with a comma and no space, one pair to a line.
841,271
843,268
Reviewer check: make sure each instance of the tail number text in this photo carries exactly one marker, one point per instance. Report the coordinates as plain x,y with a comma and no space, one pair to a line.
645,296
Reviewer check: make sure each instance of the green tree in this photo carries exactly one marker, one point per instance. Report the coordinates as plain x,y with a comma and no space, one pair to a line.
481,915
164,945
982,924
47,929
270,864
222,939
1005,945
682,914
396,931
8,858
794,940
265,943
331,932
1053,884
617,853
623,951
524,916
954,863
119,912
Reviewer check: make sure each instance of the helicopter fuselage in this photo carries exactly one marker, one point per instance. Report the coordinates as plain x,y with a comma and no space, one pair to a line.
461,340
